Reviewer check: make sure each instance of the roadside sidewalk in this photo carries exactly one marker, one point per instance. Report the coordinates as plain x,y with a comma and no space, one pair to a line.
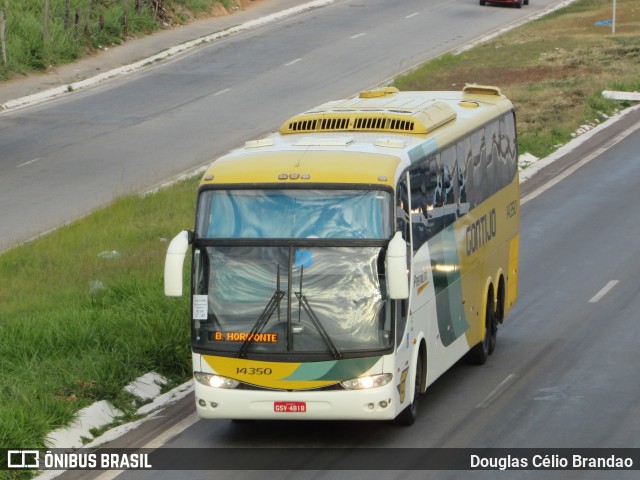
93,69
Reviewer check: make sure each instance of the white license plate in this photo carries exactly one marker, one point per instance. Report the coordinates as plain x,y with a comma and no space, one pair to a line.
290,407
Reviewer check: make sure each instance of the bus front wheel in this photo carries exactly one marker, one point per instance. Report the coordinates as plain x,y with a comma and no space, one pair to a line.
409,415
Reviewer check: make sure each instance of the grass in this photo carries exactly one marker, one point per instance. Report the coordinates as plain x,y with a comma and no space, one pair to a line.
78,323
553,69
100,24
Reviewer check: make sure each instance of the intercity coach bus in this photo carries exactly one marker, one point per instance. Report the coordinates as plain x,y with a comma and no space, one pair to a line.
342,264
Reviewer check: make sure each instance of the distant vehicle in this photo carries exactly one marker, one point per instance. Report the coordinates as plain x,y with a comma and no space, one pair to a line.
517,3
341,265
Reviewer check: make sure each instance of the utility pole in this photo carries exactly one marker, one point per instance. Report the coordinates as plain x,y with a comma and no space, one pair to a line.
3,24
125,26
613,22
47,13
67,14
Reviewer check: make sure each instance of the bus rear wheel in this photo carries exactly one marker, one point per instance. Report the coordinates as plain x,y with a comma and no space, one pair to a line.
409,415
478,354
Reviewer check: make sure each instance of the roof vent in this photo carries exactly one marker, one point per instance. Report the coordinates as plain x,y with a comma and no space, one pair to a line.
379,92
423,120
481,90
468,104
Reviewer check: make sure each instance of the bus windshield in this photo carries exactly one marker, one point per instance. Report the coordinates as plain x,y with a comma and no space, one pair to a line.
285,299
294,213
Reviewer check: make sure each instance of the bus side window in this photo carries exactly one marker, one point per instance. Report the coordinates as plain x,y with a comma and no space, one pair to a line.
494,178
400,313
452,184
402,224
402,208
465,174
479,167
427,200
508,145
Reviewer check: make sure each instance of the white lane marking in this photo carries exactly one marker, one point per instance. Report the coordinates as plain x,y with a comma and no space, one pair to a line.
221,92
29,162
579,164
292,62
606,289
496,392
412,15
157,442
358,36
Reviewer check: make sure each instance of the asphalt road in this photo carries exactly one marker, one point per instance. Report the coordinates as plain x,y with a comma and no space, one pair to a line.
64,158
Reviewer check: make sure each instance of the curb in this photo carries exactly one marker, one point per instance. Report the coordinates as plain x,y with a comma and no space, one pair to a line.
145,388
538,165
79,85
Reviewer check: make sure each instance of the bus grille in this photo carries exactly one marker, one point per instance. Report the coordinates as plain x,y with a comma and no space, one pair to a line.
246,386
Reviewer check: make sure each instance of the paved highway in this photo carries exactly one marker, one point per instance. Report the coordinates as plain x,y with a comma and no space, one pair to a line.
564,373
64,158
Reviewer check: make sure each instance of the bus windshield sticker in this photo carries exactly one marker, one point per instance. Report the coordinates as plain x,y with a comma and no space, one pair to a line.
200,307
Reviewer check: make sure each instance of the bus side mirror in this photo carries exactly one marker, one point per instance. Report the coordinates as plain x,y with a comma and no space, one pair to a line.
174,263
396,267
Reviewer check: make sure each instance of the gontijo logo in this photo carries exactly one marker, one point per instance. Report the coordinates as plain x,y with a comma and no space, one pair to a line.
481,231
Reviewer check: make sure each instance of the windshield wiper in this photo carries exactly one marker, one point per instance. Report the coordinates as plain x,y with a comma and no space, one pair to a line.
272,304
311,314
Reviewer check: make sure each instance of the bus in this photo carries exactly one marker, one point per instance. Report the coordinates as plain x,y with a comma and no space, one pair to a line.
342,264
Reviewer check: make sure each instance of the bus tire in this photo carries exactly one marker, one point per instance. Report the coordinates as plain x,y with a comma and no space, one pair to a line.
408,416
479,353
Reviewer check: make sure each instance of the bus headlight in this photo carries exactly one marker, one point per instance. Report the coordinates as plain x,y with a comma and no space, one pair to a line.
370,381
215,381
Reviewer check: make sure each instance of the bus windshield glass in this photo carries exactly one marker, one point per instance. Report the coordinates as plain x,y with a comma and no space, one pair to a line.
298,300
294,213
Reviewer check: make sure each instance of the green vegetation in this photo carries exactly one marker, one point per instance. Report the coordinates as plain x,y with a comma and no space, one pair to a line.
83,312
553,69
37,40
79,322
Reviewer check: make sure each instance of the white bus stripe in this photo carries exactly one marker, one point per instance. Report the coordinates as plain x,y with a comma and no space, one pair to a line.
604,291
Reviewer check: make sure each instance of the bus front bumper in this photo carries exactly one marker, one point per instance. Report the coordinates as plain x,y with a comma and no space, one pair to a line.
369,404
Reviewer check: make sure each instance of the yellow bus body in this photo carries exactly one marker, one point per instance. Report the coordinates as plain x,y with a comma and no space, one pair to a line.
380,139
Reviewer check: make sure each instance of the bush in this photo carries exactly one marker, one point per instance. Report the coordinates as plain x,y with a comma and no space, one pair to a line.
67,40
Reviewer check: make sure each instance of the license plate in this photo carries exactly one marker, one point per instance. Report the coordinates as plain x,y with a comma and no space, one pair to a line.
290,407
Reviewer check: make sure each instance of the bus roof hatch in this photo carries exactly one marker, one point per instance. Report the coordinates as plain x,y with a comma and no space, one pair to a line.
422,120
